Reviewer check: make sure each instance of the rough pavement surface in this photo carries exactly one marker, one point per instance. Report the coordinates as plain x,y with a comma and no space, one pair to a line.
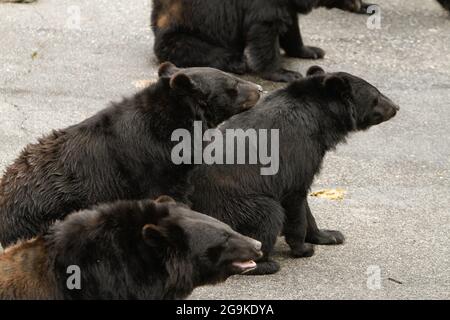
396,212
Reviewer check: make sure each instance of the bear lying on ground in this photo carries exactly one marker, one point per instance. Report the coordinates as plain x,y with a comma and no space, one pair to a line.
121,153
216,33
312,115
126,250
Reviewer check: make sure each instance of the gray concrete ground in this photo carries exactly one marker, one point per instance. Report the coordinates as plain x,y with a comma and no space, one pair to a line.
396,213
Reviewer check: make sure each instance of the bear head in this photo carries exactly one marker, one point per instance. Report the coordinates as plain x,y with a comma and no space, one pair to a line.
146,250
362,105
218,94
213,250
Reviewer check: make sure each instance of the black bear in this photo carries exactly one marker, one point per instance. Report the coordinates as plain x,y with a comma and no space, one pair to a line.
219,33
126,250
311,116
121,153
445,4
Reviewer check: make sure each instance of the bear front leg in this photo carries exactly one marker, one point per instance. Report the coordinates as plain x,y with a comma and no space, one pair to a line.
292,43
315,235
263,54
295,227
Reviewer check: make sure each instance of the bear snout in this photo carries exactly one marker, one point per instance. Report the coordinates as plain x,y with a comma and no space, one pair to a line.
392,112
395,108
247,247
251,93
388,108
252,100
257,245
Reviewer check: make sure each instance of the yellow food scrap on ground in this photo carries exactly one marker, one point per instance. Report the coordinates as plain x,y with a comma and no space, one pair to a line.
142,84
330,194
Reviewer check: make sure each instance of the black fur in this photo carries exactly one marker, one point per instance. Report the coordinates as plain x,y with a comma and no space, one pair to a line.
313,115
216,33
145,250
123,152
127,250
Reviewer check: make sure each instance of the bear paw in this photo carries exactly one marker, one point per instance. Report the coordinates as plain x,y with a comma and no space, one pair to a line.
311,53
326,237
237,67
282,76
303,251
264,267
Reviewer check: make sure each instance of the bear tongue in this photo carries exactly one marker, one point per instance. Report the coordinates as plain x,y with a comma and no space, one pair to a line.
245,264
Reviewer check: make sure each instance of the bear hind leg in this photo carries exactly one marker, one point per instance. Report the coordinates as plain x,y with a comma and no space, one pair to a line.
267,218
186,50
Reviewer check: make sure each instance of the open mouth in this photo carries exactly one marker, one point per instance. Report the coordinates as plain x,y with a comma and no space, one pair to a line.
244,266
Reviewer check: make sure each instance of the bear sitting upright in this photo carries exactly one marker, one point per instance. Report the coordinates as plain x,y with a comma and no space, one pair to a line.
311,116
121,153
126,250
237,35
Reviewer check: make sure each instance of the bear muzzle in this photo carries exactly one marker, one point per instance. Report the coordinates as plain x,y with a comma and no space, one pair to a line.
387,108
246,251
251,92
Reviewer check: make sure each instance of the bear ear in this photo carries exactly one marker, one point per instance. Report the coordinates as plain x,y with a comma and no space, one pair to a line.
182,82
154,236
337,85
165,199
167,69
315,70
